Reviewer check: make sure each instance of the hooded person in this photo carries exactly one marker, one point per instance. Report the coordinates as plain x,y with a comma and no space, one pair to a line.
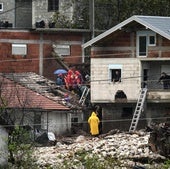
94,121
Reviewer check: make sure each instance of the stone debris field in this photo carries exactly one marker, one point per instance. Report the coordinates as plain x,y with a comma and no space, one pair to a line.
127,148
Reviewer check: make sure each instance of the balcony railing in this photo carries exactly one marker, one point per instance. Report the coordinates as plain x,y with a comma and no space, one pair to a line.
156,85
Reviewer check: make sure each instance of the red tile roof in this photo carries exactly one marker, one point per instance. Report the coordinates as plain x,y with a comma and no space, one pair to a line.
14,95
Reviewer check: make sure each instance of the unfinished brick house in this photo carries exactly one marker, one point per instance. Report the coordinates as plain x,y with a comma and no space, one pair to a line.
27,48
33,100
139,49
32,50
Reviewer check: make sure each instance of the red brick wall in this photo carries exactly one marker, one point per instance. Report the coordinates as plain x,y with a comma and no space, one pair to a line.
122,40
30,63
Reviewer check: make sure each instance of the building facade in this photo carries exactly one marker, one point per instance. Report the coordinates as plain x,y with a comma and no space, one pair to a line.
25,13
139,49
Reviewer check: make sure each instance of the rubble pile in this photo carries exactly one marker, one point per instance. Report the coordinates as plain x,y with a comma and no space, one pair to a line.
130,149
159,140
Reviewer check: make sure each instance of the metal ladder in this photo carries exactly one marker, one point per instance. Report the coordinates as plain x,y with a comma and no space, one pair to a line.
84,95
138,110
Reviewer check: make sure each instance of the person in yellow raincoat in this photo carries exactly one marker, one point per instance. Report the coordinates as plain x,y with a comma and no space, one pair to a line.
94,121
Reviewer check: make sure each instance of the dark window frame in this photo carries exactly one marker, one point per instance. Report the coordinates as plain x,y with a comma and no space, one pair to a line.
152,40
114,77
127,112
1,7
53,5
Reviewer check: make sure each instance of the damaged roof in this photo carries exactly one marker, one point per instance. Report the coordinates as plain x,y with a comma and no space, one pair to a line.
30,90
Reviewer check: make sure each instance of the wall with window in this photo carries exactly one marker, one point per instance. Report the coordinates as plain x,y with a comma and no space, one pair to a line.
3,148
23,14
25,51
57,122
104,88
45,9
7,13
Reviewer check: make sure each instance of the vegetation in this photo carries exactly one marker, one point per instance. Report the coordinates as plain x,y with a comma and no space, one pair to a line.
113,12
20,142
20,148
166,164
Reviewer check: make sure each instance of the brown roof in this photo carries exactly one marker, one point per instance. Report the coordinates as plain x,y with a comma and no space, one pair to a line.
14,95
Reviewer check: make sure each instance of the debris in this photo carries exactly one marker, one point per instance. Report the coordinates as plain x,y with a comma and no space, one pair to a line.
159,140
131,149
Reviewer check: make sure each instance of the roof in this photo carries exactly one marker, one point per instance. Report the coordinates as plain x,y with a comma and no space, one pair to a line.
64,30
158,24
30,90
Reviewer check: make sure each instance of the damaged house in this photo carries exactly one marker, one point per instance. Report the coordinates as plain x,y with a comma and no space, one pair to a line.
139,50
29,45
32,100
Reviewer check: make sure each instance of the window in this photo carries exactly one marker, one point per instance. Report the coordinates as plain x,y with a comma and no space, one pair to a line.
127,112
145,39
1,6
63,50
116,75
19,49
152,40
142,46
74,120
115,71
37,120
53,5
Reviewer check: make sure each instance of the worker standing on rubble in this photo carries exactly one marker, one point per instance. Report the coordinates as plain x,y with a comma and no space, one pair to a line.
94,124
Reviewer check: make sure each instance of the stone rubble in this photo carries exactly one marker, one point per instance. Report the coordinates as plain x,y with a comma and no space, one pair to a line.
123,146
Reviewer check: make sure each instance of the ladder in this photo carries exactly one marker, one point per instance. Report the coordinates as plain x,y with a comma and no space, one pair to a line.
84,95
138,110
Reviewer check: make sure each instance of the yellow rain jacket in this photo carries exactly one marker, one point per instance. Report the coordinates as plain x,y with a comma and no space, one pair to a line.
94,124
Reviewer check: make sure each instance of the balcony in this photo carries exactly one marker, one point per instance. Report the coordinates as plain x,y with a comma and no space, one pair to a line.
156,92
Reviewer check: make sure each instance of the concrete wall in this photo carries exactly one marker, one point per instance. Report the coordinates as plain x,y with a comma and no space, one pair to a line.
8,11
103,90
40,10
3,147
113,116
58,123
23,14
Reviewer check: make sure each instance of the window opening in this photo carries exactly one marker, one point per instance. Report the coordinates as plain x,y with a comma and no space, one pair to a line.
145,39
127,112
74,120
145,77
116,75
37,120
53,5
152,41
1,6
142,45
19,49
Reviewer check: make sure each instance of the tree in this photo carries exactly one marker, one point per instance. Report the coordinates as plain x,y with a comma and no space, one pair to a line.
20,144
111,12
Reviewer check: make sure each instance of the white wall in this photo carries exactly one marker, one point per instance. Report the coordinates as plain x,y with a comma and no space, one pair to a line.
102,90
3,147
58,123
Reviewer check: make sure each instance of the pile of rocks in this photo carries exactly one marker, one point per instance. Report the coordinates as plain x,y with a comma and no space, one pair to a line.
130,149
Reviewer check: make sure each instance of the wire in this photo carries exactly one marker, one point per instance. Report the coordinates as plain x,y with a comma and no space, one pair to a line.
107,80
78,56
85,122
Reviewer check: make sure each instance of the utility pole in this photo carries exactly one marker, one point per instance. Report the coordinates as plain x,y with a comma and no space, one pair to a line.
92,17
